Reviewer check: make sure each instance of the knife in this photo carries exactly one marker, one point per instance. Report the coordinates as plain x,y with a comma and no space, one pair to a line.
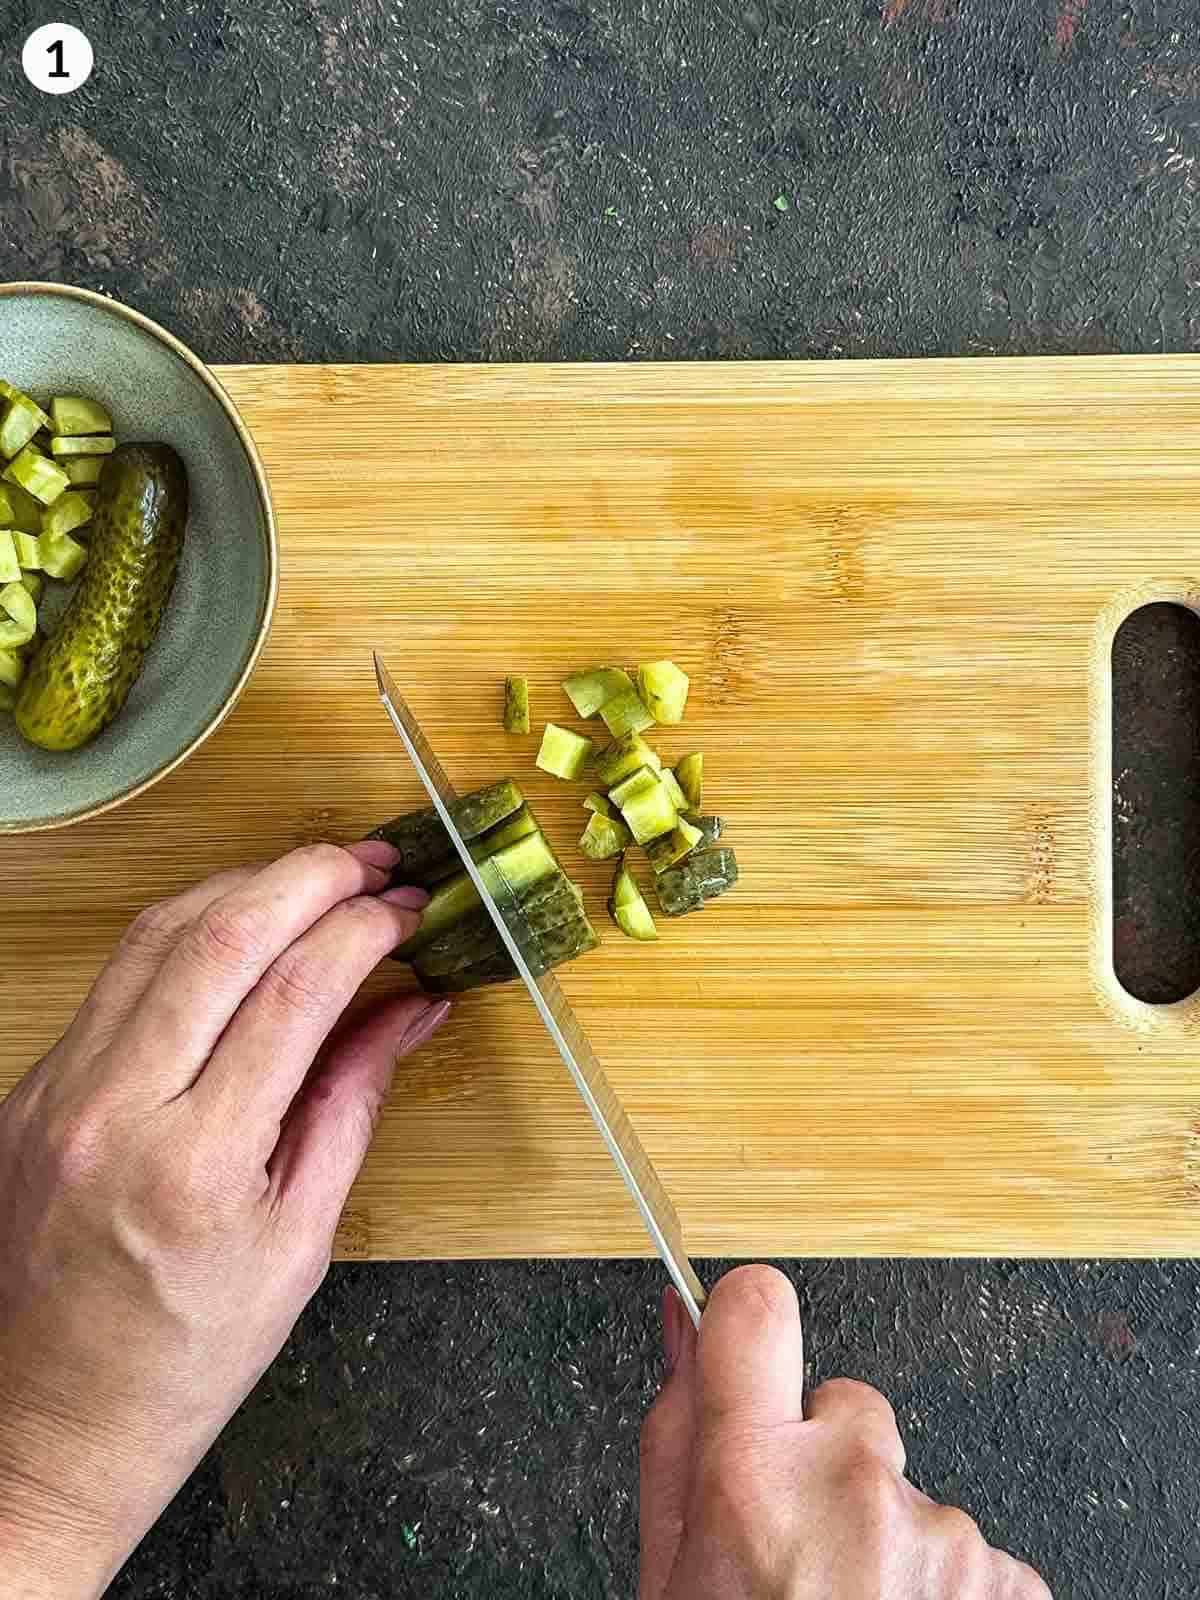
521,942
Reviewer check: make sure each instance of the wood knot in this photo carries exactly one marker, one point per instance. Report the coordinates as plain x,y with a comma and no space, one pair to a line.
726,657
1042,863
844,537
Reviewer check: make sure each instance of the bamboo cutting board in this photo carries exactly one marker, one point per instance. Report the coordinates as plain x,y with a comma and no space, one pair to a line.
893,586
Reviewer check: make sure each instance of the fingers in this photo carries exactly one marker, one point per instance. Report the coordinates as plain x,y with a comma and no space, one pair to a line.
267,1049
750,1356
1018,1581
147,942
329,1127
856,1413
668,1435
224,951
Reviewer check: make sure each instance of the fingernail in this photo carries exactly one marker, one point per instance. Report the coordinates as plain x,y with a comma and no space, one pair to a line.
375,853
408,896
424,1024
672,1327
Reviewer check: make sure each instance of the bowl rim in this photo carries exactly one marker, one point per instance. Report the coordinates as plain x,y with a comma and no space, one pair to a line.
263,490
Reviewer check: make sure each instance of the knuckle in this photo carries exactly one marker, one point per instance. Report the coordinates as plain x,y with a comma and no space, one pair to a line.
186,1190
309,1269
759,1288
862,1415
964,1553
154,928
360,1121
852,1395
296,985
875,1489
1027,1584
75,1141
229,933
322,857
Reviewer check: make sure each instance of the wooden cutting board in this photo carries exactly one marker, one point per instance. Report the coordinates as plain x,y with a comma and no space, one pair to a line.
893,585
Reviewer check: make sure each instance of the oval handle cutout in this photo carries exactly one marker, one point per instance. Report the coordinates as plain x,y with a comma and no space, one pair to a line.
1155,665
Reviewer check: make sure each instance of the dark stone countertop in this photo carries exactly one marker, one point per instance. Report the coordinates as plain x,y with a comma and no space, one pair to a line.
538,180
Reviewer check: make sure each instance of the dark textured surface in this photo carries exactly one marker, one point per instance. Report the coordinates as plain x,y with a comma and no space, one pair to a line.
315,179
1156,803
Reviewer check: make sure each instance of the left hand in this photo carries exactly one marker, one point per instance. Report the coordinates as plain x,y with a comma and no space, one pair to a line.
173,1173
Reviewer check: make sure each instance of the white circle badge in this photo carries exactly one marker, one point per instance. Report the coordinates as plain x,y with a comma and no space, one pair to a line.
57,58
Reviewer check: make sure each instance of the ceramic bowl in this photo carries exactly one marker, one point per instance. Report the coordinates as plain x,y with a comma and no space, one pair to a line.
59,340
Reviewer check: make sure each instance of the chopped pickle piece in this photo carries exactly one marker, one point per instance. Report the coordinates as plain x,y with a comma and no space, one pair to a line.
648,812
623,756
84,470
624,889
552,912
711,828
522,864
29,550
477,812
519,826
702,876
10,566
426,853
12,668
34,583
664,690
69,511
628,909
672,847
562,944
102,444
20,422
516,705
678,799
588,691
7,520
625,713
8,697
602,806
690,775
37,475
563,753
26,512
643,778
63,558
17,603
71,413
603,838
448,904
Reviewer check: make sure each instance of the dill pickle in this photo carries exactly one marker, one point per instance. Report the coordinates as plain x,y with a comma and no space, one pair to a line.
80,678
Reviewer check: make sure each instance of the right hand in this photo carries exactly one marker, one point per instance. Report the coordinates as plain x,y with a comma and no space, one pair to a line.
747,1494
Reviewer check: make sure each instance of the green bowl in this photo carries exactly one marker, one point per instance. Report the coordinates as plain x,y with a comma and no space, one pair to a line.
59,340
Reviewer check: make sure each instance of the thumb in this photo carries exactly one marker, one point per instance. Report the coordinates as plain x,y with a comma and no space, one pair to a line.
750,1354
330,1123
666,1455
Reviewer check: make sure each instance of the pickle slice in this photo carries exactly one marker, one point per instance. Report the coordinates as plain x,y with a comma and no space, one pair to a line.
516,705
564,754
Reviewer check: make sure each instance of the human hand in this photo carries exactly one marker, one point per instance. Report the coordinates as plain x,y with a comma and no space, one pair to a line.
172,1176
748,1494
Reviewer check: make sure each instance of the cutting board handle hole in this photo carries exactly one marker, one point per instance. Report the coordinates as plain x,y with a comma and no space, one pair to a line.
1155,799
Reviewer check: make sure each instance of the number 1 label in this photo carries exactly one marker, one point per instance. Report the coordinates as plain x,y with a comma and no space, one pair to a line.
57,58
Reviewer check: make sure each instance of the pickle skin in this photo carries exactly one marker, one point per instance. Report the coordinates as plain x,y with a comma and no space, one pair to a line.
516,705
79,680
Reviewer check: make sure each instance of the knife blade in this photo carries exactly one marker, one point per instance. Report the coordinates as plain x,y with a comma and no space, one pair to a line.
624,1146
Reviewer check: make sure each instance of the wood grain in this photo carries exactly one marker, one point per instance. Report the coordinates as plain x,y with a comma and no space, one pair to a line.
892,585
